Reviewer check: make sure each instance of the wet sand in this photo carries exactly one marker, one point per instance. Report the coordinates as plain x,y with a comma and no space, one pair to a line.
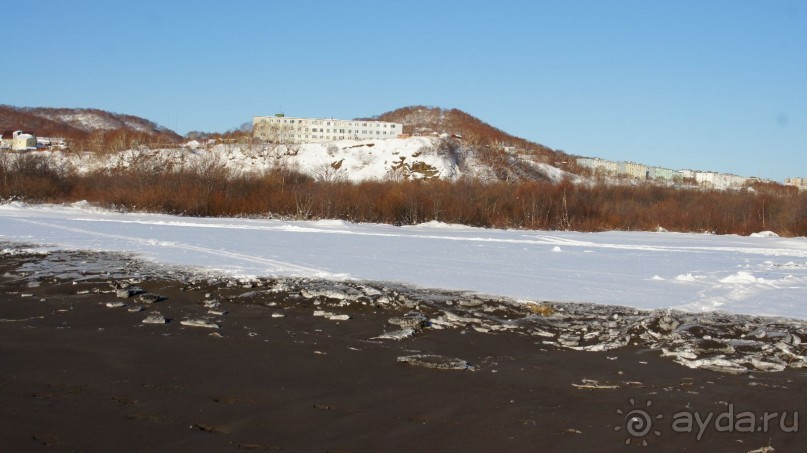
77,375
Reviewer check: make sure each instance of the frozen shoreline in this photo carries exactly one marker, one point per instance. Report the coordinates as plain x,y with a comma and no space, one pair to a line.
716,341
211,364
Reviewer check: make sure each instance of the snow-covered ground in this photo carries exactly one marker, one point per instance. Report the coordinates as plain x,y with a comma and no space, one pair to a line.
353,160
764,275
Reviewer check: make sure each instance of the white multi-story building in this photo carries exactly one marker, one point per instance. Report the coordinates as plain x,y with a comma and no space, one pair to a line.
801,183
664,174
284,129
640,171
599,165
633,169
717,180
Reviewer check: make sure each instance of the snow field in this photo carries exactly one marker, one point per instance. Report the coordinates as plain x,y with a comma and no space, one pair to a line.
694,272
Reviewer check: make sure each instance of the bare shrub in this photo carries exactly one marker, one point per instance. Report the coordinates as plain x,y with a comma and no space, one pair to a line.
34,176
204,186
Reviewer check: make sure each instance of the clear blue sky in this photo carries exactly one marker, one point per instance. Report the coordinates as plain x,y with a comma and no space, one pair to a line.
704,84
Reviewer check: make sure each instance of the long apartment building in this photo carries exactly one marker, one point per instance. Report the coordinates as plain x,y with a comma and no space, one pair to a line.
643,172
801,183
284,129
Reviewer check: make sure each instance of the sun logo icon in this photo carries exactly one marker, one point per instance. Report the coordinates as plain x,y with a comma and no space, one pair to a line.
638,423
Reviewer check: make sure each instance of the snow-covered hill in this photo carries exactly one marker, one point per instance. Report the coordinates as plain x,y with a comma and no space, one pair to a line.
90,120
79,123
344,160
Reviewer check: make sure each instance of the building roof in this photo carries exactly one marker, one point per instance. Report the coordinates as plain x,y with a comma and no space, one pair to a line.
8,135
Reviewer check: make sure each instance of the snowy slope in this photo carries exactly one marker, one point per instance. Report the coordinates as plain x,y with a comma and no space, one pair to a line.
92,120
416,158
750,275
353,160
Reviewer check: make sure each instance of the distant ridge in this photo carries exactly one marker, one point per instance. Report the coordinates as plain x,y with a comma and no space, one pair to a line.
79,123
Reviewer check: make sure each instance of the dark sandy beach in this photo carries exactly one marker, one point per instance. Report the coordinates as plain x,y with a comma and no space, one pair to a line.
77,375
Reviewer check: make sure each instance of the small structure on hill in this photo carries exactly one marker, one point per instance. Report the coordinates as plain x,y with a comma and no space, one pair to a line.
18,141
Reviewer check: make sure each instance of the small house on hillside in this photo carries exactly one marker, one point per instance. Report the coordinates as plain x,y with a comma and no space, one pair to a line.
18,140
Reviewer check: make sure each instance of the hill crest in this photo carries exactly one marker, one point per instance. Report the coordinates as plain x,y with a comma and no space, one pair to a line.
423,120
79,123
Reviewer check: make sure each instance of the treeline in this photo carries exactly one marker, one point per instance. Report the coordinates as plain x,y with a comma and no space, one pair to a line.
209,189
240,134
116,140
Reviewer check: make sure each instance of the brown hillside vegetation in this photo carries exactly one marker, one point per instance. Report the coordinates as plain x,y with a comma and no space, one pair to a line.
425,120
240,134
211,190
87,129
95,119
12,119
487,142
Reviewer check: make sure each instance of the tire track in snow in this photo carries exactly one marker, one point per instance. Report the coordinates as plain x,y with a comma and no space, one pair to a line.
528,239
279,265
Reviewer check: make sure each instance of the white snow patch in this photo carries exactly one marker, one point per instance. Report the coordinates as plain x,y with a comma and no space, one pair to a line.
741,277
746,278
764,234
434,224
